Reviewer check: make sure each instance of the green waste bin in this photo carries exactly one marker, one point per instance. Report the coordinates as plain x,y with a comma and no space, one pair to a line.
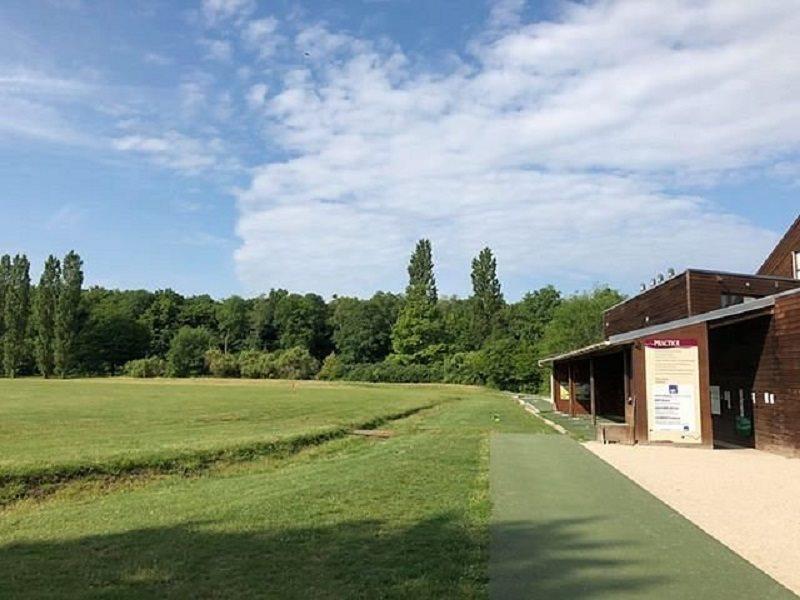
744,426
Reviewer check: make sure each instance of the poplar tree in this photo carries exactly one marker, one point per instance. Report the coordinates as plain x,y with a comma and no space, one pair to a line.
418,335
421,280
45,313
5,274
487,298
66,318
16,314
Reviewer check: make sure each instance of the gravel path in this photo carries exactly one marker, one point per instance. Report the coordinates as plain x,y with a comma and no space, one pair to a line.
747,499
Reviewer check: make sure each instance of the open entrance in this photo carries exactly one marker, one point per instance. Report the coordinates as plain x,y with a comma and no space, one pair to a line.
604,378
736,352
610,386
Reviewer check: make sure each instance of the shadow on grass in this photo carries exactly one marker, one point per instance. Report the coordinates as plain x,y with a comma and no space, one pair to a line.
556,559
436,558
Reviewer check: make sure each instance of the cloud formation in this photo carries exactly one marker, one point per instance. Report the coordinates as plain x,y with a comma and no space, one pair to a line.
556,143
175,151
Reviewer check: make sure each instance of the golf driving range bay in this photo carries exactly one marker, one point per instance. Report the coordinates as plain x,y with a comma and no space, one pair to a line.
245,489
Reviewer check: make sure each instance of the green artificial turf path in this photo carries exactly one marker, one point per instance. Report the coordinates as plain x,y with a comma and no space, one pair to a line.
567,525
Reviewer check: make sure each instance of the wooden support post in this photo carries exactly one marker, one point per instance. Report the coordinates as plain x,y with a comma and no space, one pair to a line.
627,356
591,392
571,392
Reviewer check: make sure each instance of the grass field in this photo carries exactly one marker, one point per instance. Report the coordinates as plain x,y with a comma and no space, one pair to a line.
352,517
63,425
337,516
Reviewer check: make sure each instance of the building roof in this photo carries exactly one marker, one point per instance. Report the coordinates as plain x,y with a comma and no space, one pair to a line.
623,339
795,226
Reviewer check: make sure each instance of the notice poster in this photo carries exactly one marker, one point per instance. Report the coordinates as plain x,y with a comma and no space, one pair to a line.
673,385
716,400
563,392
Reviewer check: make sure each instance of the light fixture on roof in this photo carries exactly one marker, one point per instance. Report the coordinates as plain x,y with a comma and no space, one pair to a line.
660,278
642,287
670,273
653,282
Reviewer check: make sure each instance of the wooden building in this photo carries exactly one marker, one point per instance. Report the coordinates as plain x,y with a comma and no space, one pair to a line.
705,358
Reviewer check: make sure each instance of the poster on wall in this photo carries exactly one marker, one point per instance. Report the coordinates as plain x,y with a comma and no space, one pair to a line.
716,400
563,392
672,369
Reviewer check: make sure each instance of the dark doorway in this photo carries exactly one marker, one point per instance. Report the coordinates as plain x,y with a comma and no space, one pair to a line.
736,352
609,373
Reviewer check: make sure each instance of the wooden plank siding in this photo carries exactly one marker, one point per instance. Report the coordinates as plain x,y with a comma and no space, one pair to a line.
706,288
778,424
780,262
661,304
691,293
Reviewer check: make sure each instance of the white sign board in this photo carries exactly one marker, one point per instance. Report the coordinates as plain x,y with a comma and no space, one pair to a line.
672,369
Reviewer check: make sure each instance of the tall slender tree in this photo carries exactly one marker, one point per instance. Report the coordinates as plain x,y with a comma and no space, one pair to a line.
421,280
45,315
487,298
5,275
66,321
418,335
16,314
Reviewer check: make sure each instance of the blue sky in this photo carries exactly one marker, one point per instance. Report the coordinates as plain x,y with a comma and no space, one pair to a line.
231,146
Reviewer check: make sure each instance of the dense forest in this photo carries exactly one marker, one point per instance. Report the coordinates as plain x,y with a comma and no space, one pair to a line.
58,328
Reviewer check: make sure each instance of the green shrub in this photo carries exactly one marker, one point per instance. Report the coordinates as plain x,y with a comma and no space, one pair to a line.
332,368
186,356
255,364
145,367
393,372
510,365
464,367
297,363
220,364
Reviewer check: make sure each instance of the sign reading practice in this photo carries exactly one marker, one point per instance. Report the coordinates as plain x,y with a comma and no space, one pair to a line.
672,368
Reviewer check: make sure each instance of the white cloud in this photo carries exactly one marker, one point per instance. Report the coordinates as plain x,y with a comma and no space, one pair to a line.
36,105
256,96
194,91
219,50
261,36
217,11
553,146
175,150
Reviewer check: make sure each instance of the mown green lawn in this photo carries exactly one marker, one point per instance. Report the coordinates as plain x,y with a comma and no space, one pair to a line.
47,425
343,516
351,518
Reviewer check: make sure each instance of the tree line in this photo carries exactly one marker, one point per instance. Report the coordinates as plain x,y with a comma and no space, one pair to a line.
39,326
58,328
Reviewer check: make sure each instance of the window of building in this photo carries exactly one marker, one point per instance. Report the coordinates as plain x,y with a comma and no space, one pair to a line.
796,265
727,300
